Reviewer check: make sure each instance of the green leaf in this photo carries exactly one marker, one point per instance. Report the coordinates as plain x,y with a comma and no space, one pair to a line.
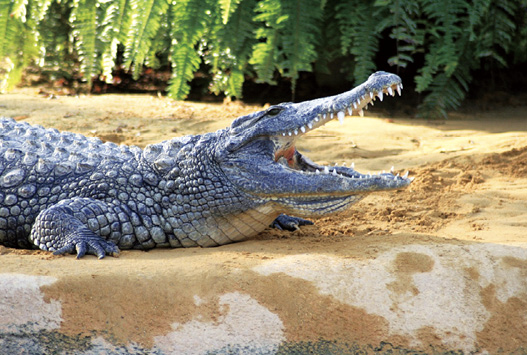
300,37
227,8
191,18
291,35
18,9
358,21
229,48
185,61
84,20
145,23
5,14
265,53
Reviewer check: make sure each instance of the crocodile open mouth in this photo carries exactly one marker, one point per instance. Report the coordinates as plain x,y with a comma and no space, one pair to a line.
285,150
269,165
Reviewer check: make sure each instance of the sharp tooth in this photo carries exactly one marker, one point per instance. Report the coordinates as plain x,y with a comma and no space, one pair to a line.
392,169
401,85
361,113
317,172
344,164
334,172
411,178
317,118
380,95
340,116
326,170
303,129
283,134
353,165
405,175
331,115
390,91
355,105
296,132
371,94
310,125
349,111
358,102
384,171
398,88
289,133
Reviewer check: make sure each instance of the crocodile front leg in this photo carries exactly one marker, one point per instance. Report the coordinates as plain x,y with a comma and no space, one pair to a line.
82,225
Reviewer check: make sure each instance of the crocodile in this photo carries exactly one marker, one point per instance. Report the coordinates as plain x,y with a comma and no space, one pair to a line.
66,193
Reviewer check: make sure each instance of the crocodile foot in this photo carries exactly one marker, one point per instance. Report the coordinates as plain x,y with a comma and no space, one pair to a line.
86,242
57,229
290,223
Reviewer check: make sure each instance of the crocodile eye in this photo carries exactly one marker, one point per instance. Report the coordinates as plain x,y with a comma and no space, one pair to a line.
274,111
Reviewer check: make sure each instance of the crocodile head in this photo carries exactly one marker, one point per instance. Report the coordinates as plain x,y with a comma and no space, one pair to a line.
262,159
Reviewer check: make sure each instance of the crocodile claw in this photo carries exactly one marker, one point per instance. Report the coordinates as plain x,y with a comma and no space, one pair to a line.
87,243
290,223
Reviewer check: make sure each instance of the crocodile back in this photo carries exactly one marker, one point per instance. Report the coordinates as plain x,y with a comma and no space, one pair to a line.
39,167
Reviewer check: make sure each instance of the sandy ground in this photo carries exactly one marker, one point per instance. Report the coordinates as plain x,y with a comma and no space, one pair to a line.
470,190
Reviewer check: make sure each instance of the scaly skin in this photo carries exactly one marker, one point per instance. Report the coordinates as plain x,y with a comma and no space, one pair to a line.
66,193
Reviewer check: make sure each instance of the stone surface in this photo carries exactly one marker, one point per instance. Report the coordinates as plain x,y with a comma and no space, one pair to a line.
412,297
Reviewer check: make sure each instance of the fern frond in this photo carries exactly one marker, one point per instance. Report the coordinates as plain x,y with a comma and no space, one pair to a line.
291,33
235,83
495,34
229,48
446,87
463,34
18,44
358,22
145,23
54,35
328,47
520,38
185,61
191,18
37,9
161,43
264,57
476,15
265,53
84,20
6,6
123,20
299,37
18,9
444,50
403,21
238,33
227,8
7,36
446,93
26,41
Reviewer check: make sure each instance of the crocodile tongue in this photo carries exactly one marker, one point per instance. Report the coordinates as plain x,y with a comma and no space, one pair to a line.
288,153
